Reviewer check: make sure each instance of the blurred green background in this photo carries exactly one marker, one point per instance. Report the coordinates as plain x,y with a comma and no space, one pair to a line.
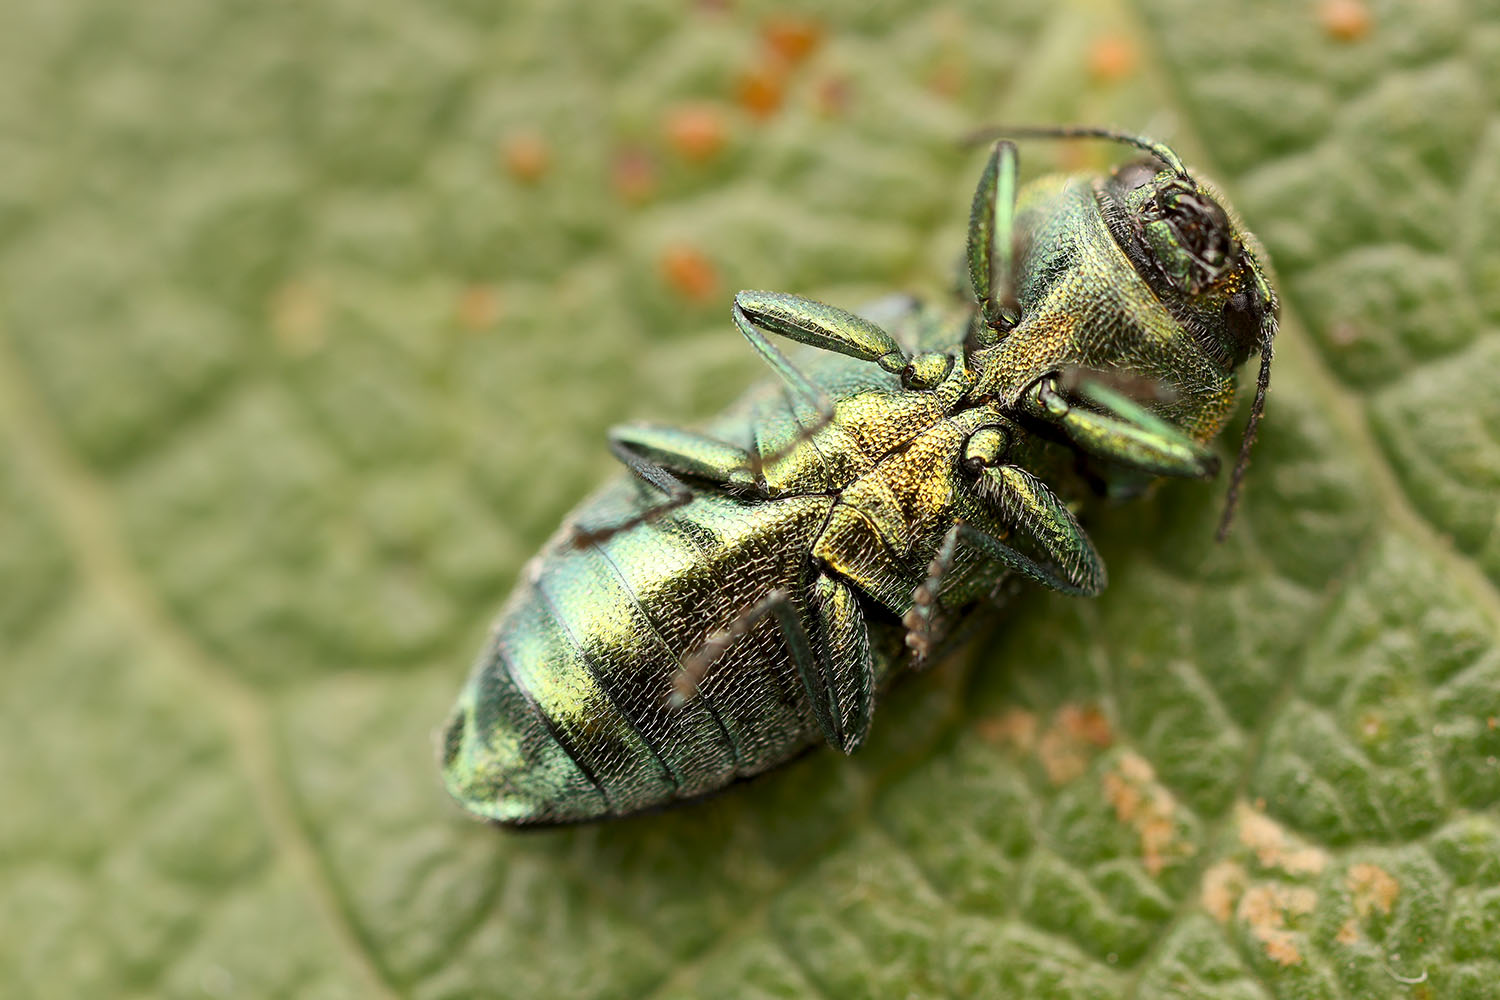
312,317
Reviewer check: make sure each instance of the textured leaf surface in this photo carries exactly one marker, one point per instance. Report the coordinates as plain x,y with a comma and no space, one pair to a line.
312,317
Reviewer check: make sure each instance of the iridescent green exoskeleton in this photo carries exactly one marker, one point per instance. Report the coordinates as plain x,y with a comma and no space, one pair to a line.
748,589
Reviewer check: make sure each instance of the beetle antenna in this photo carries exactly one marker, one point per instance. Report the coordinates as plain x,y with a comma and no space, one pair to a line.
1160,150
1237,478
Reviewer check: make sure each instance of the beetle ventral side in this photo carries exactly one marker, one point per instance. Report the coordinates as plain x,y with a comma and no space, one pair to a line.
747,590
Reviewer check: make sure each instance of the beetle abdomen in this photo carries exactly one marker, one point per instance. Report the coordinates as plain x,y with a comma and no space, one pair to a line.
567,714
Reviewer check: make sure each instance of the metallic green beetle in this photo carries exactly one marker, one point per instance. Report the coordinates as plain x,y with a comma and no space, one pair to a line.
750,588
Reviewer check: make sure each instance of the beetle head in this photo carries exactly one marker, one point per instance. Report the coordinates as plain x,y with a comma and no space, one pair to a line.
1195,254
1200,261
1204,266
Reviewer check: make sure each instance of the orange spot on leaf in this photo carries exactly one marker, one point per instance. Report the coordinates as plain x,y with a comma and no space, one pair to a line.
633,174
1069,742
1016,727
1074,157
1345,20
478,307
1258,907
1344,334
761,89
1373,888
833,96
526,156
947,78
1223,883
1281,947
1089,725
1272,847
1146,805
790,37
1111,58
297,316
697,132
689,273
1266,908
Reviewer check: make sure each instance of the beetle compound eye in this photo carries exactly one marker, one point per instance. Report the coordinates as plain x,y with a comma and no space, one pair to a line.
1204,230
1200,234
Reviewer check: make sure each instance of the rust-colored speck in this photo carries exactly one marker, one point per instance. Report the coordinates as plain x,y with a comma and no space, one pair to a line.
1076,733
1272,847
1344,334
1281,947
478,308
1223,883
1258,907
790,37
834,95
1373,888
1148,807
1076,157
633,174
526,156
947,78
1493,722
297,316
761,88
1345,20
1348,934
1265,909
689,273
1016,727
696,132
1087,724
1111,59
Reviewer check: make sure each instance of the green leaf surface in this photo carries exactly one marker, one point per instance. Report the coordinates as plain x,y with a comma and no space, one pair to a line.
312,317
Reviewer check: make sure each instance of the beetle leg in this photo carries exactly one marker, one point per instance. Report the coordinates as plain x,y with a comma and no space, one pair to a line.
816,324
1125,432
838,674
1071,564
676,493
649,470
922,618
686,453
992,248
696,665
842,691
655,453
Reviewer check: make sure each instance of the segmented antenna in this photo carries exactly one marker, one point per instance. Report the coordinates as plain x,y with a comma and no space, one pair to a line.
1262,383
1160,150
